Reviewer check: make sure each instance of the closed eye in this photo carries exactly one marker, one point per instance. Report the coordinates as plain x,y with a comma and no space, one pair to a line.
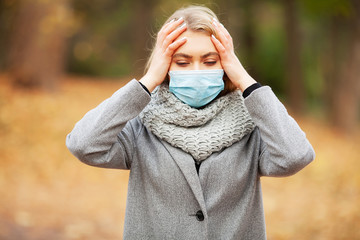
182,63
210,63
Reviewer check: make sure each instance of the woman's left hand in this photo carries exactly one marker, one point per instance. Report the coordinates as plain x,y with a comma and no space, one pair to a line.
229,61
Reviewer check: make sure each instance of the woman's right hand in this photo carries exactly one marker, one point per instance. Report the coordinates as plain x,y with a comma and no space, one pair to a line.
163,52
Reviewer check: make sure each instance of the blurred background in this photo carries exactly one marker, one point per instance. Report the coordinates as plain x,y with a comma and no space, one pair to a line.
60,58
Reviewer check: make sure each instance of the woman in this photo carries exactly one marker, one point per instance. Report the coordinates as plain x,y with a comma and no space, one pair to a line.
197,146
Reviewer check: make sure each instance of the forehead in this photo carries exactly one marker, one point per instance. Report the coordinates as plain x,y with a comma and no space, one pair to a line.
197,44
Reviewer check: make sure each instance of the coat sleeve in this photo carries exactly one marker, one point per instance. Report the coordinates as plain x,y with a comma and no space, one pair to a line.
284,147
102,137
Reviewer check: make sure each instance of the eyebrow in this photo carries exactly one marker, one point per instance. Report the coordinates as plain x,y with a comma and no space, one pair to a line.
181,55
210,54
188,56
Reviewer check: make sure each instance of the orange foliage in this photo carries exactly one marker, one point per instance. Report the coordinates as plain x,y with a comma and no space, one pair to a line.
47,194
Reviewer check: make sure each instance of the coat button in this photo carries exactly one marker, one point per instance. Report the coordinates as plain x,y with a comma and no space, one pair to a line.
199,215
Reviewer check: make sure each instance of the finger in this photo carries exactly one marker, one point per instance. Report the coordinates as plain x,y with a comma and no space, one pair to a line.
226,32
219,31
223,35
168,28
167,24
174,46
218,45
173,24
222,27
228,36
172,36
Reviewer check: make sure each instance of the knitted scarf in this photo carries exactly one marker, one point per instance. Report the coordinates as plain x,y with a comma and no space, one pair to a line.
199,132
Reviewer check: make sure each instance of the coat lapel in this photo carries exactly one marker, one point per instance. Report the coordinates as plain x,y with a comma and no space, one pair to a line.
187,166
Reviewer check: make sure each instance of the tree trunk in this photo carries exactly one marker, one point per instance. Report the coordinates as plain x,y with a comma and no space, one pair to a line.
249,36
295,83
345,108
37,43
139,30
331,62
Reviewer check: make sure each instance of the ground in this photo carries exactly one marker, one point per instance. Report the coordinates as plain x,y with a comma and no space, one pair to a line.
46,193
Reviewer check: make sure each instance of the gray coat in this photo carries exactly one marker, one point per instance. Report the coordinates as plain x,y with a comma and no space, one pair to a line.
167,199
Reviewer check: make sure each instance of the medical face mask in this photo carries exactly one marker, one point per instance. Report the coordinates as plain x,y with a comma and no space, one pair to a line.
196,87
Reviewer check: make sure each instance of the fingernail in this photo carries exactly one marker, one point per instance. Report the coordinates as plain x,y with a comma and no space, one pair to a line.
184,38
212,35
172,20
183,25
180,18
215,20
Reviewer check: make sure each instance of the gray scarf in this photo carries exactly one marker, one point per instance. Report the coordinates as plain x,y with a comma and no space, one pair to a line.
199,132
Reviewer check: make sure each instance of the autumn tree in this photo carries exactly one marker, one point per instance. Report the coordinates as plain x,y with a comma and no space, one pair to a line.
293,69
139,29
345,99
37,43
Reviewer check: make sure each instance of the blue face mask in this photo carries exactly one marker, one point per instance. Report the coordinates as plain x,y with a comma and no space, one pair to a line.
196,87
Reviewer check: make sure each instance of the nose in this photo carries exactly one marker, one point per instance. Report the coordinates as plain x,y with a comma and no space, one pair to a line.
196,66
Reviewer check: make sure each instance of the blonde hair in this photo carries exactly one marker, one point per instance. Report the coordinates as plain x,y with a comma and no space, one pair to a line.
197,19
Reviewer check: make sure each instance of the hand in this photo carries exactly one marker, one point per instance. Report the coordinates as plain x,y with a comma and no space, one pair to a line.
163,51
229,61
